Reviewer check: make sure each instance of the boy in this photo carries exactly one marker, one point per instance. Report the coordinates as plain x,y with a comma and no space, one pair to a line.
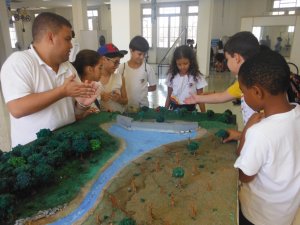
269,156
139,76
240,47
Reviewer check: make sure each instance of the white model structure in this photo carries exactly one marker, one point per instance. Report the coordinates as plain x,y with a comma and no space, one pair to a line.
168,127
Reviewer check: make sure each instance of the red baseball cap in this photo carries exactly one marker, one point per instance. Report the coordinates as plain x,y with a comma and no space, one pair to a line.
110,50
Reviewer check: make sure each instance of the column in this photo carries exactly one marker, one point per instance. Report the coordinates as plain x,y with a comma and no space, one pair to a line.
5,45
205,17
125,21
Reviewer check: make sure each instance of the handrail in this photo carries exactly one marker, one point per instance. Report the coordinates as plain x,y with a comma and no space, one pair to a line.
160,64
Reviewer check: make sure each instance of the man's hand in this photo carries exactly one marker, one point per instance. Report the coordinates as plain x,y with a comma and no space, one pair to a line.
72,88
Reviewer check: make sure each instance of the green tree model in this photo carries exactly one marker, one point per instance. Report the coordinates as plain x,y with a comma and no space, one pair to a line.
193,147
178,173
127,221
210,113
222,134
95,144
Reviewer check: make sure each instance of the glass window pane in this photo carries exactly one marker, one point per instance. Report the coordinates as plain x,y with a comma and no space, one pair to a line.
147,11
193,9
89,13
174,29
192,27
276,4
147,30
291,29
163,36
90,24
257,32
169,10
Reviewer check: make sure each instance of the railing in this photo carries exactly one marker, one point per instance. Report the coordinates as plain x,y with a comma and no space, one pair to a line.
162,62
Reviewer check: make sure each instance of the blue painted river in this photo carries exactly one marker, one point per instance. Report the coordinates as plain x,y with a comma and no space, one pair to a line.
137,143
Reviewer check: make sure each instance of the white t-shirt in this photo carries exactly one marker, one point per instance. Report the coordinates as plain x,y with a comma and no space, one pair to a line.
184,86
24,73
271,151
137,81
114,84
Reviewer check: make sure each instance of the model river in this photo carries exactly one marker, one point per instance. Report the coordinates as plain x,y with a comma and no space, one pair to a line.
137,143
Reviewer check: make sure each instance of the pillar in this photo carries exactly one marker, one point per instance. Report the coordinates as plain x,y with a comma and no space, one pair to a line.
205,17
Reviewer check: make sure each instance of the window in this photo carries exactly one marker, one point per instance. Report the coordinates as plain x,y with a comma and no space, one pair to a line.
91,14
147,25
257,32
13,33
192,23
278,13
168,26
286,4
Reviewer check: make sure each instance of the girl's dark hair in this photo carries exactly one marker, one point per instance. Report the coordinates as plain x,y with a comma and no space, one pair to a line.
267,69
184,51
85,58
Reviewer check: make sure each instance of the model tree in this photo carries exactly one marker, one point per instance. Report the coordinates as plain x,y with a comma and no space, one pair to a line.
222,134
7,207
193,147
127,221
210,113
178,173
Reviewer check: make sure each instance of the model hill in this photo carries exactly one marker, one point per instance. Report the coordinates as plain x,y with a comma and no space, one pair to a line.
42,174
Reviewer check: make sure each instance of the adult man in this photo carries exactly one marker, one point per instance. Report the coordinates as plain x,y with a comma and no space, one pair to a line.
39,84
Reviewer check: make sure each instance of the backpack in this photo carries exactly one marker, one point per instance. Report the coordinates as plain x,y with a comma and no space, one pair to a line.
294,88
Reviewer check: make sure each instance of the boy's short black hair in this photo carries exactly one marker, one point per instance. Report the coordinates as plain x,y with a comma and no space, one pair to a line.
243,43
267,69
139,43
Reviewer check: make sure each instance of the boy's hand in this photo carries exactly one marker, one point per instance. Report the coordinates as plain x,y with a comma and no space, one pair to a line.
234,135
193,99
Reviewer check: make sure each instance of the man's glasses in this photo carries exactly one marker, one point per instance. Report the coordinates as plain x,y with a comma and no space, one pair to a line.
115,62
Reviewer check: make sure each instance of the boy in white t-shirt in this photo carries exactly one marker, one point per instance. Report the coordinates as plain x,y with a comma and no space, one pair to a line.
269,156
139,77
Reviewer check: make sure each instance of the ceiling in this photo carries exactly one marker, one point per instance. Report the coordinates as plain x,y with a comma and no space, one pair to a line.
48,4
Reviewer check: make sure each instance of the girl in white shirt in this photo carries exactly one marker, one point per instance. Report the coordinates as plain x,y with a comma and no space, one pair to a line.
184,79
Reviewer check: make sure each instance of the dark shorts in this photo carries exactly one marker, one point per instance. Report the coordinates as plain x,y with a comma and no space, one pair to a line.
190,108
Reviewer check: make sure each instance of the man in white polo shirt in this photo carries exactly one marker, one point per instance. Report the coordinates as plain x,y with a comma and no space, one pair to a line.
40,85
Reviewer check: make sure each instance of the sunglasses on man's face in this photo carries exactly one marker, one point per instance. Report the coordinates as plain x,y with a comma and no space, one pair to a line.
115,62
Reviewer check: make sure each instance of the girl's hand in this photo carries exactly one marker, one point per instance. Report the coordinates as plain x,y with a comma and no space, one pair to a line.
105,96
115,96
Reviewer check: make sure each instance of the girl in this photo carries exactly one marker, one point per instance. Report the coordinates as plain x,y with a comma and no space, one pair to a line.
184,79
113,91
87,64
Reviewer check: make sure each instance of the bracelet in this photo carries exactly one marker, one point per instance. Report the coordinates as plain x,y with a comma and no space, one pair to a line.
84,106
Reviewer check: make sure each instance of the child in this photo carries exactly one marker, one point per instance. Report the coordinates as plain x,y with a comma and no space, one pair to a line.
113,94
240,47
184,78
88,65
269,156
139,76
